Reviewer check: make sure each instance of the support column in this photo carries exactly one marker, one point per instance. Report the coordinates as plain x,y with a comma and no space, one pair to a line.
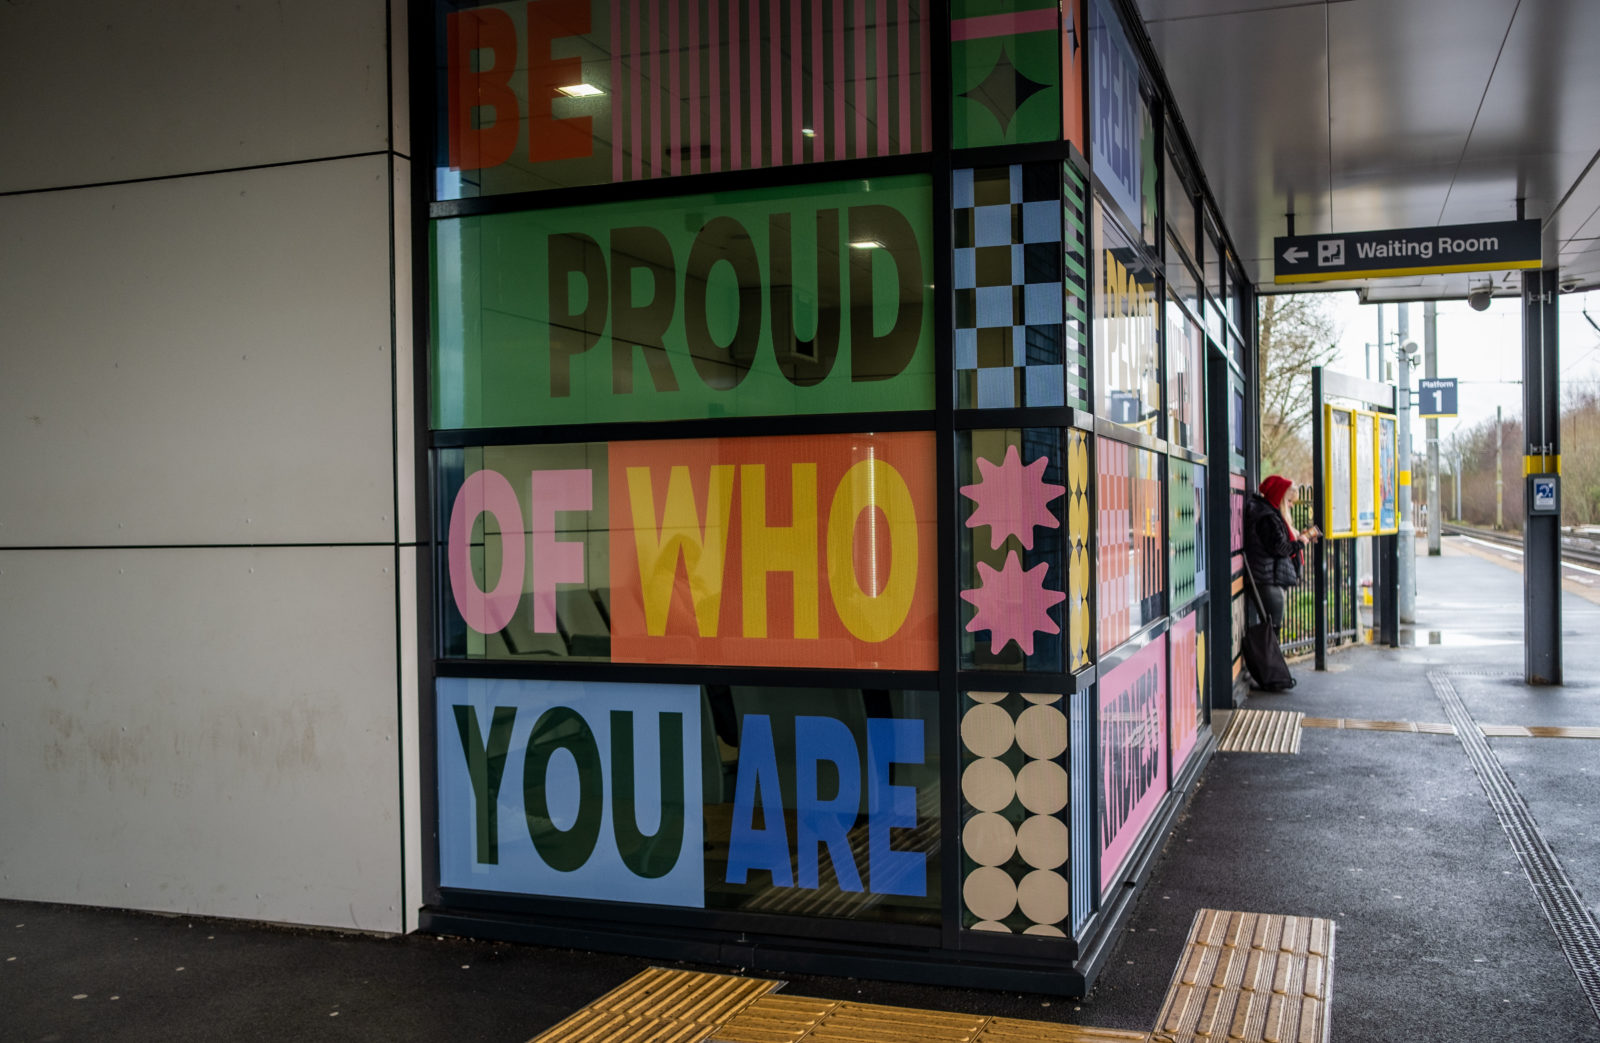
1541,425
1430,363
1407,561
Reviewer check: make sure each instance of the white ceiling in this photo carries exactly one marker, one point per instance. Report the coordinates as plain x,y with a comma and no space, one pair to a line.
1373,114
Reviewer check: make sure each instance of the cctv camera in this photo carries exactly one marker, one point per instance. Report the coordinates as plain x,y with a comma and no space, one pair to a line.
1479,298
1568,285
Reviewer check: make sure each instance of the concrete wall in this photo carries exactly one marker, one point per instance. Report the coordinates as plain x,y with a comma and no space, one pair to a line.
207,554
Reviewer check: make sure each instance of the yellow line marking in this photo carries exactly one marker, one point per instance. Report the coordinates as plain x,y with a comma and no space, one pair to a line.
1493,731
1262,731
1250,977
1378,273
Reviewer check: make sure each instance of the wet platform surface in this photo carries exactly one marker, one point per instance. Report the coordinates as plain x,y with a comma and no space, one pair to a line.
1388,833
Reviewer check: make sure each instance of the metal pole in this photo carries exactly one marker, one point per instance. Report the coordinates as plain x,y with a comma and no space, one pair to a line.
1457,484
1541,425
1407,551
1319,560
1430,357
1499,473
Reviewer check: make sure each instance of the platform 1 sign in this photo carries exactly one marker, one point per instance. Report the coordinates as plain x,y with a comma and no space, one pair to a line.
1436,397
1439,250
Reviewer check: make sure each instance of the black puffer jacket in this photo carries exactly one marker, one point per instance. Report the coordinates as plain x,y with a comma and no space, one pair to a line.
1272,554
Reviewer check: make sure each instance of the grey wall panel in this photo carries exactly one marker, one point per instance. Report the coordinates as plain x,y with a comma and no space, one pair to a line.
200,360
202,731
104,90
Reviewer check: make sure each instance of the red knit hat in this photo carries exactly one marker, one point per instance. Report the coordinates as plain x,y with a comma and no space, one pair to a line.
1273,486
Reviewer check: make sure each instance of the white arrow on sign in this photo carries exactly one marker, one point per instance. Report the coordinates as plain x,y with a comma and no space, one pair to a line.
1294,255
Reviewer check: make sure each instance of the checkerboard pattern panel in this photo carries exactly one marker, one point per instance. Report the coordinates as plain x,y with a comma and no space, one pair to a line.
1113,541
1009,314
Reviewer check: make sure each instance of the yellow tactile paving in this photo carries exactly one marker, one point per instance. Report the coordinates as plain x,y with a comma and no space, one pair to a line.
660,1006
1250,977
1262,731
1245,977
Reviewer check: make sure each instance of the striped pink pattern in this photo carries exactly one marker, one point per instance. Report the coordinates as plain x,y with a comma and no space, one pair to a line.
724,84
984,26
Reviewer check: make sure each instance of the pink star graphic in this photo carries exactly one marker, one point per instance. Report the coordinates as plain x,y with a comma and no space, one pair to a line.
1011,498
1012,604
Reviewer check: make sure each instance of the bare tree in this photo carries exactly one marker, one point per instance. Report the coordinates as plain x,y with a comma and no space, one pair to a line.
1295,333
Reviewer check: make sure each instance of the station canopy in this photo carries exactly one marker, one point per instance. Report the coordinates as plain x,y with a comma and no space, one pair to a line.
1363,115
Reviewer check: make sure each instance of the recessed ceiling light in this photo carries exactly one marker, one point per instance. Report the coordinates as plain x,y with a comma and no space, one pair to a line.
581,90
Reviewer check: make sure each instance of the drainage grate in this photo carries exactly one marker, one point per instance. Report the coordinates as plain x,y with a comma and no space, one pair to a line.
1575,927
1262,731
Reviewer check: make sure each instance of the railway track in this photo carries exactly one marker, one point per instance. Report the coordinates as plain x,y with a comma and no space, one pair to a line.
1575,548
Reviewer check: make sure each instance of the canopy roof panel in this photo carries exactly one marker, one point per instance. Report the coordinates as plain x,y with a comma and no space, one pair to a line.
1359,115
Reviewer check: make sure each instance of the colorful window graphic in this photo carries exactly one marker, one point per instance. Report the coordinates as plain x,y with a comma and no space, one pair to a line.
1014,831
767,302
1009,330
1127,373
1184,518
770,551
1014,549
1187,642
1133,752
1129,550
1123,137
577,92
1074,34
1075,213
1079,604
815,802
1005,61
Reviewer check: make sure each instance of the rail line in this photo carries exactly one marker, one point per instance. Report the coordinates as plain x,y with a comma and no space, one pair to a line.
1575,549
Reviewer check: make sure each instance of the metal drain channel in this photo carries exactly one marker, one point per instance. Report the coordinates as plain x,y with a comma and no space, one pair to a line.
1575,928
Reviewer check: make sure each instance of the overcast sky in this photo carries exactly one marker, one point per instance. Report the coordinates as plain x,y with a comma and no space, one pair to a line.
1481,349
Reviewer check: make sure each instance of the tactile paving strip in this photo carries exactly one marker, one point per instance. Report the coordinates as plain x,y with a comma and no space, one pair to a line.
661,1006
1262,731
792,1019
1250,977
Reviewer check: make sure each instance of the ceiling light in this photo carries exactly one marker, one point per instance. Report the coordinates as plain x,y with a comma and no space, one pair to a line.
581,90
865,244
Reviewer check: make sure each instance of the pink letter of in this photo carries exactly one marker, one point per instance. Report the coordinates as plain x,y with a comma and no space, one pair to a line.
555,561
487,491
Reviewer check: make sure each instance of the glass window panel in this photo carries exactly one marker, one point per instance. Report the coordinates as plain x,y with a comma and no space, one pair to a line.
802,551
788,801
1180,211
537,96
1127,376
1133,739
1186,382
766,302
1015,549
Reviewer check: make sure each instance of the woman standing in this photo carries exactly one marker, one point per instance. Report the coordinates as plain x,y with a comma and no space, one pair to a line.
1274,552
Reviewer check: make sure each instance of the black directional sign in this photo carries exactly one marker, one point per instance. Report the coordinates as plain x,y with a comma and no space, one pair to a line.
1407,251
1436,397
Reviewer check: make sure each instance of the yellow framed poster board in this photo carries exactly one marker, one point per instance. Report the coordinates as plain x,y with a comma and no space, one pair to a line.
1338,475
1360,480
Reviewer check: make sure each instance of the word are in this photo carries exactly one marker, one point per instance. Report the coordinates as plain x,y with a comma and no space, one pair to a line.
824,823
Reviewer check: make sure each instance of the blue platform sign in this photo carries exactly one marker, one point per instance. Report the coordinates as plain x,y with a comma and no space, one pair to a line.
1436,397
